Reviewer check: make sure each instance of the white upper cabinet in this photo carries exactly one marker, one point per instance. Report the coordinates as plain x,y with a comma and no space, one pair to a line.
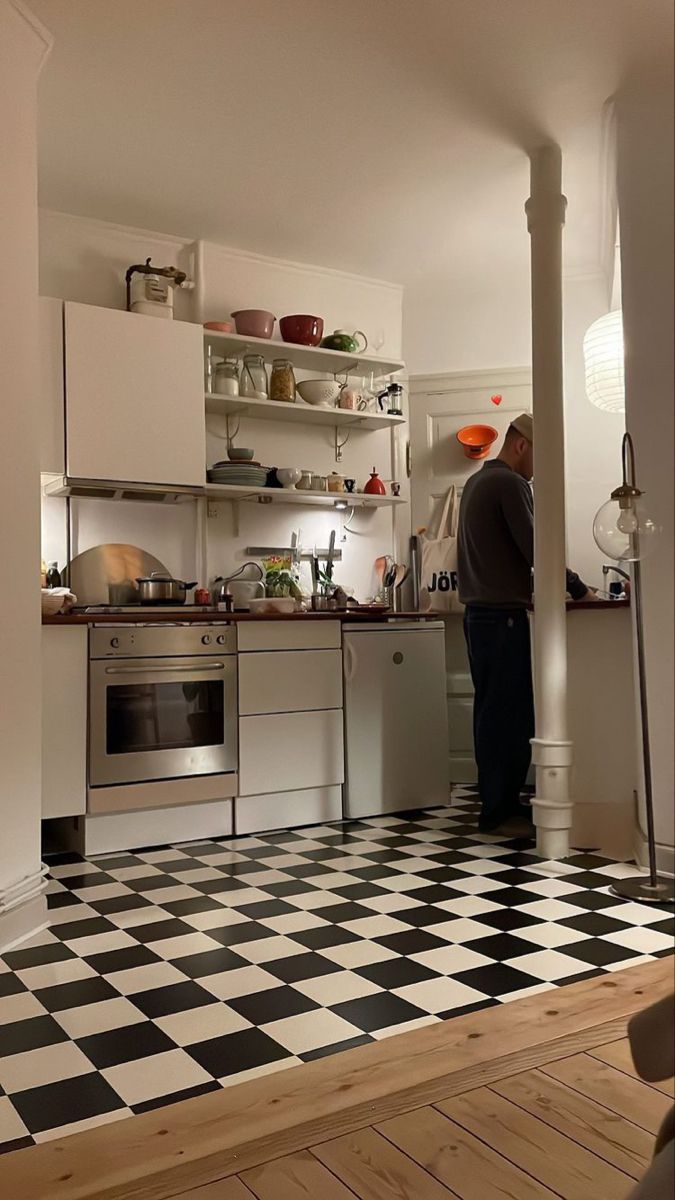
50,377
134,397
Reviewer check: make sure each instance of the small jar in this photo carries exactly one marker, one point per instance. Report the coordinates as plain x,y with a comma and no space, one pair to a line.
282,383
227,377
253,377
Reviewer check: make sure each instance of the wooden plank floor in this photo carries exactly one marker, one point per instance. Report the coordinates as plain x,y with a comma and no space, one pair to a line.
534,1100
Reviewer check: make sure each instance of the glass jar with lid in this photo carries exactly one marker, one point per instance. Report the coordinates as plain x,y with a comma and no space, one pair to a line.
226,378
253,377
282,382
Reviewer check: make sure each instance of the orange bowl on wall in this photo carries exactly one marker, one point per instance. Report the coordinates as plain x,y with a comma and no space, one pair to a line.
476,440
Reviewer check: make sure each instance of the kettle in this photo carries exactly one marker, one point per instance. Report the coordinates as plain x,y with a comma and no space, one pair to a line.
240,589
347,342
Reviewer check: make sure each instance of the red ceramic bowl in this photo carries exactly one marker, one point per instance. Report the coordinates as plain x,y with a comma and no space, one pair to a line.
476,440
302,330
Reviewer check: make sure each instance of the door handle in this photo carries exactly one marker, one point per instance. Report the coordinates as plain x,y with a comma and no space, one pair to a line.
216,666
350,662
408,459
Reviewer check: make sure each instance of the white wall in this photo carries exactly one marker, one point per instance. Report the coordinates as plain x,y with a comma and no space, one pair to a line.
23,46
645,190
85,260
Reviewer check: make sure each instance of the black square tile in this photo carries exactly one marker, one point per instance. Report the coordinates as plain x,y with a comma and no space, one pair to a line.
323,936
592,901
413,942
174,1098
465,1009
67,931
10,985
213,887
31,1034
265,908
83,1097
17,1144
125,1044
325,854
595,923
62,900
389,856
63,858
225,1056
178,866
587,862
376,871
512,897
420,917
290,887
272,1005
239,870
515,876
359,891
37,956
187,908
117,904
80,883
159,931
496,980
151,883
118,862
599,953
310,870
326,1051
173,998
432,874
433,893
239,935
301,966
339,914
666,926
395,973
588,879
121,960
71,995
209,962
502,946
377,1012
507,919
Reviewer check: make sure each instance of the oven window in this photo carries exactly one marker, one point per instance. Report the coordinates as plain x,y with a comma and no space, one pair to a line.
164,716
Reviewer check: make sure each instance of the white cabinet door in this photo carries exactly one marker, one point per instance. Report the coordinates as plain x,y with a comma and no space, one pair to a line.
282,681
64,720
290,751
134,397
50,382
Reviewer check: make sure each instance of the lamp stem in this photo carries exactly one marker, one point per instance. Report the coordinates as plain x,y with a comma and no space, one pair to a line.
644,723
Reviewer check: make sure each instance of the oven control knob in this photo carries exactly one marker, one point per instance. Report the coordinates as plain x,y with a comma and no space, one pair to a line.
221,639
114,642
206,640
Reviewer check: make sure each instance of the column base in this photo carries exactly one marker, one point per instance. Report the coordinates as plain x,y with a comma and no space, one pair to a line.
23,910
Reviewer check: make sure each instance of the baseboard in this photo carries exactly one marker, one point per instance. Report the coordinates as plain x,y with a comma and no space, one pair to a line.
23,918
93,835
665,855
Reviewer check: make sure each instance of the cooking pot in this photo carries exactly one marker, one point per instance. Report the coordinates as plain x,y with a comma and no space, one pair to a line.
162,589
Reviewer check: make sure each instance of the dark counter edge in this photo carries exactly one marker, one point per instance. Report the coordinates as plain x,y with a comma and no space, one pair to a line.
208,614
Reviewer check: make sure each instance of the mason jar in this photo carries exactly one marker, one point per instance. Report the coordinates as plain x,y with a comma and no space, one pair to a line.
282,383
253,377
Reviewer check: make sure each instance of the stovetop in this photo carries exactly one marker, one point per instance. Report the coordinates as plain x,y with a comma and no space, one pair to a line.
143,610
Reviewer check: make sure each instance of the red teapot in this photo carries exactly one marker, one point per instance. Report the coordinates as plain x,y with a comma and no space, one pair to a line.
375,486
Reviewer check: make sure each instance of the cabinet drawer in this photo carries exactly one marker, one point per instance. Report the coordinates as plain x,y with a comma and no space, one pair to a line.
289,681
288,810
289,635
290,751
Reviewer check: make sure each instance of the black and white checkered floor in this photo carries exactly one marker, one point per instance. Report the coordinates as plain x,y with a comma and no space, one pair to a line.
171,972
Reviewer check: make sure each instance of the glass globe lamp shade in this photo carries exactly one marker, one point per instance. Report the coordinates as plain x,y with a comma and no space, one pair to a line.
624,530
603,361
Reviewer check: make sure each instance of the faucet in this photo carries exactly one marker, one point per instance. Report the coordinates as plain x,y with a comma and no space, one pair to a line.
617,570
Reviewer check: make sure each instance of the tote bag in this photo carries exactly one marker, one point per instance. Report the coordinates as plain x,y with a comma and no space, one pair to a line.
438,561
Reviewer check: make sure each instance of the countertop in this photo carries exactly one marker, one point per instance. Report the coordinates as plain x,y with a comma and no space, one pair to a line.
210,615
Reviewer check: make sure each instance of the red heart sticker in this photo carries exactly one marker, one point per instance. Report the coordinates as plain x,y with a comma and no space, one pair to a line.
496,399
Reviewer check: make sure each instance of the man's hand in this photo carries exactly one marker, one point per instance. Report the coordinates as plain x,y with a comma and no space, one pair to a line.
590,595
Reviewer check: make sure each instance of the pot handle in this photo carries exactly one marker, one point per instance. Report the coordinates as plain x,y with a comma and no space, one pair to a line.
364,347
189,586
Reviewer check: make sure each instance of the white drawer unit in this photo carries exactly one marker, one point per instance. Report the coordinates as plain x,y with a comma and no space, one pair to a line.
290,751
289,681
288,810
289,635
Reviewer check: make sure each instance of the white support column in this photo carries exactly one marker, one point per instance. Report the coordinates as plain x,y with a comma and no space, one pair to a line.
552,750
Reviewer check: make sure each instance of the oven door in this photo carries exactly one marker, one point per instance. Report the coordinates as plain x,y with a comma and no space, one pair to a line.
161,718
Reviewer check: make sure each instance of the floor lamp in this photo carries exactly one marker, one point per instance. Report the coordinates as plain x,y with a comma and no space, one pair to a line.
626,533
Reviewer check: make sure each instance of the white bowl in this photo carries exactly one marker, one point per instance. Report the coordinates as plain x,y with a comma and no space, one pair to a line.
289,476
319,391
272,604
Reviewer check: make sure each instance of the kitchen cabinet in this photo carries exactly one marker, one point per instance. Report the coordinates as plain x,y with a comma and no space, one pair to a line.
64,720
50,385
289,751
134,397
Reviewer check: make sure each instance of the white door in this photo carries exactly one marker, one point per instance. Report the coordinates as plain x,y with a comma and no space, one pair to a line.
134,397
439,406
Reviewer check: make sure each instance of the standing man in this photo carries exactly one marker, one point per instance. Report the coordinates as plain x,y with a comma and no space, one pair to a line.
495,561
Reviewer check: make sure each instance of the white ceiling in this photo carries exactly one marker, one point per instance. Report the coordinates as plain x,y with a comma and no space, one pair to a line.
386,137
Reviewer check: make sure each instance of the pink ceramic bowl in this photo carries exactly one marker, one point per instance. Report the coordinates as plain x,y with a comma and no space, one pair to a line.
302,330
254,322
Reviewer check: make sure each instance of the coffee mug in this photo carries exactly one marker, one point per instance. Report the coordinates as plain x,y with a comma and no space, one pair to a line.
395,488
350,484
318,483
351,399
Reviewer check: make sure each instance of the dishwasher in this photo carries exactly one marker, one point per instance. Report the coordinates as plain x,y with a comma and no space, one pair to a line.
396,724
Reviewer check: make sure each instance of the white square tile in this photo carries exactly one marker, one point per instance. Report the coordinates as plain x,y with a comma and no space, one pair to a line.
20,1007
331,880
243,896
350,862
142,979
200,873
467,906
245,981
69,870
523,993
403,883
549,935
375,927
50,1135
551,869
391,902
411,865
550,910
162,856
213,918
329,990
313,901
200,1024
477,885
481,866
136,871
553,888
642,939
11,1125
258,1072
173,948
261,879
64,971
311,1031
358,954
106,891
293,922
548,965
460,931
72,912
168,895
638,961
157,1075
439,995
620,870
131,917
100,943
450,960
634,914
86,1019
405,1027
36,1068
271,949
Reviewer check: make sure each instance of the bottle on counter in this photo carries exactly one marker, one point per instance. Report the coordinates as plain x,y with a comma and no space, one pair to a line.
43,573
53,575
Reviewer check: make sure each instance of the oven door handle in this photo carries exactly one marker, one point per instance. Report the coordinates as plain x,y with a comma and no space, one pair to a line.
147,670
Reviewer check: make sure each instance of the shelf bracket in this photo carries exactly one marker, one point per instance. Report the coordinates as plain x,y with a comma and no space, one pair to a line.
339,445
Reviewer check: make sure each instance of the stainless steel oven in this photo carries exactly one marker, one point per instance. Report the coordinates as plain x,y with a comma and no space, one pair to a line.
162,702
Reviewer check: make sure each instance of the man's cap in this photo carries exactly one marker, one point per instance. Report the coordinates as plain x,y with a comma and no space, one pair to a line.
524,426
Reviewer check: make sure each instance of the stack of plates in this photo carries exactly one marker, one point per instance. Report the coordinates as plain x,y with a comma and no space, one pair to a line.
239,474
